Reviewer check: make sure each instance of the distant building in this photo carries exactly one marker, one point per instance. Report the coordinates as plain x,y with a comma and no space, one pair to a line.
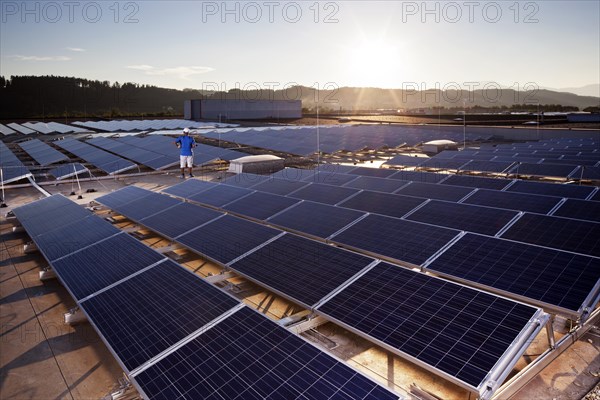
227,109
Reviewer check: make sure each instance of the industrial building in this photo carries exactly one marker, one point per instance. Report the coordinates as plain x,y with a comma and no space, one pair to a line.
228,109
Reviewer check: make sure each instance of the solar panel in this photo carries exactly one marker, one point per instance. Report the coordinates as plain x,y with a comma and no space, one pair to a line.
294,174
68,170
11,168
245,179
50,215
405,161
146,206
377,172
42,207
220,195
312,269
440,163
394,238
419,176
382,203
596,196
260,205
551,189
376,184
435,191
104,263
552,170
465,217
592,173
513,201
107,162
149,312
459,331
227,238
42,153
549,277
487,166
177,220
335,168
321,193
279,186
188,188
557,232
123,196
248,356
476,182
316,219
73,236
579,209
330,178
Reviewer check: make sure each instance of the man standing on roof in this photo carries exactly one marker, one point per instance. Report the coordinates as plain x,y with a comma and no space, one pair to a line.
185,144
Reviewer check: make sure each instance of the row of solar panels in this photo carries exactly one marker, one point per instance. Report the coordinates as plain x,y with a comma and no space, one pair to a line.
147,124
457,332
564,143
566,169
38,127
11,168
370,222
139,302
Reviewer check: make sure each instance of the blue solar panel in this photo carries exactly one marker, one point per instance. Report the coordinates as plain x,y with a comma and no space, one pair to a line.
146,206
551,170
557,232
441,163
107,162
331,178
68,170
189,188
476,182
485,220
260,205
123,196
397,239
321,193
419,176
551,189
42,153
460,331
592,173
596,196
149,312
177,220
377,172
95,267
404,161
279,186
335,168
294,174
382,203
312,269
247,356
513,201
487,166
73,236
316,219
579,209
49,214
435,191
546,276
227,238
220,195
376,184
245,179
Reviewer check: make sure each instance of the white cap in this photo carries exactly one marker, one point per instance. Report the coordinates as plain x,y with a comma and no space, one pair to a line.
186,130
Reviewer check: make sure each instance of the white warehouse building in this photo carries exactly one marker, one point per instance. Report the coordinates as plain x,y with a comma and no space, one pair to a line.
228,109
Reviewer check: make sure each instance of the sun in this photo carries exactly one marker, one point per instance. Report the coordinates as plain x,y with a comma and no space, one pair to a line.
374,63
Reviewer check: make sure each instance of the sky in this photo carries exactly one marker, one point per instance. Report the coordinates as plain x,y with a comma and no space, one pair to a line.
277,44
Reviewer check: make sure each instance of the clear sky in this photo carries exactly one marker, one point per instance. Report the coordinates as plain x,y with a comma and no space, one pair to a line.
193,44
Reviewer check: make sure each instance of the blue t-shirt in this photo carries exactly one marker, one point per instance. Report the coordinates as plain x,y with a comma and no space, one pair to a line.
187,143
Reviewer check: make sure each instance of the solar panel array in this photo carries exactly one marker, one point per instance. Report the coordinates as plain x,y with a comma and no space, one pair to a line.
558,158
142,156
52,128
327,274
138,301
68,170
5,130
146,124
103,160
306,141
42,153
20,128
11,168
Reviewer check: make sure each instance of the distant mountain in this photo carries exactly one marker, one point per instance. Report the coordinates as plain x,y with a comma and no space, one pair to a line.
54,96
587,90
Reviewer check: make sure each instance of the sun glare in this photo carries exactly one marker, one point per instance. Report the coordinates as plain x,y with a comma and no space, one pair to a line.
374,63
